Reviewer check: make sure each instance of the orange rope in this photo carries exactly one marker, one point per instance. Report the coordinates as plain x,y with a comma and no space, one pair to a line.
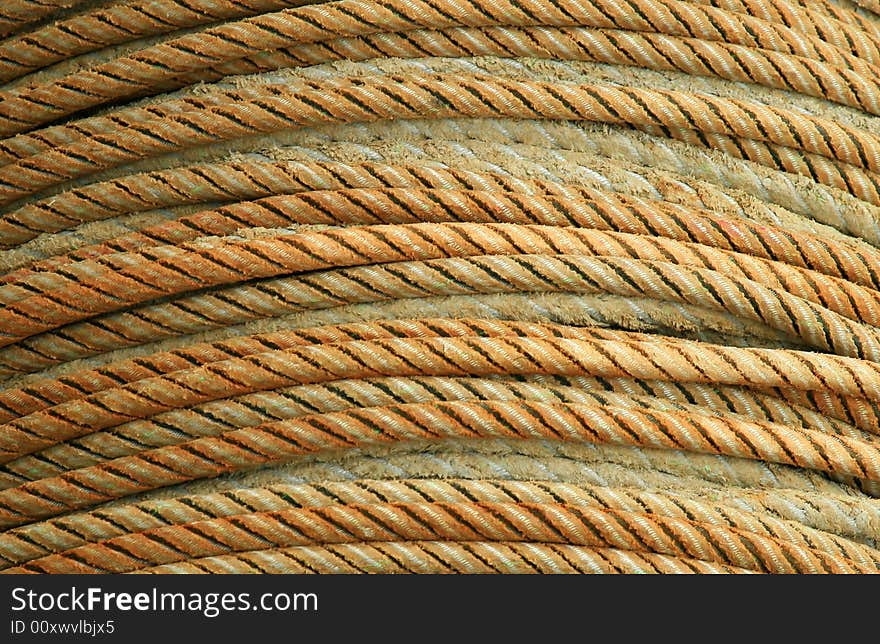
433,287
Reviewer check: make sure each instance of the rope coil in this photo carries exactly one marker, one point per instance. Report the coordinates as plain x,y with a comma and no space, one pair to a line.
439,287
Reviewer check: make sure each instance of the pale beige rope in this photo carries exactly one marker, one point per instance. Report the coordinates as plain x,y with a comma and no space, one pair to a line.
713,89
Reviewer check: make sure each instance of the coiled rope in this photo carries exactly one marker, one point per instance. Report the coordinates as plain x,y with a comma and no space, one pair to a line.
434,287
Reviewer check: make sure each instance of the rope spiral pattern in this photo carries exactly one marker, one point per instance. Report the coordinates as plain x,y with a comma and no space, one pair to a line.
364,286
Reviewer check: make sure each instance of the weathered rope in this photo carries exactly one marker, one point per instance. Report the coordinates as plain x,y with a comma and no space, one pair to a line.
555,160
133,73
98,345
214,418
464,510
430,287
781,494
114,24
36,305
441,557
863,459
758,132
588,209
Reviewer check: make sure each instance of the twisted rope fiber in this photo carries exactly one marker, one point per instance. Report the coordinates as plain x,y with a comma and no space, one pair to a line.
843,456
346,282
230,337
566,421
851,40
659,52
586,42
41,393
589,309
112,404
615,275
815,166
810,508
131,74
673,114
469,509
36,395
439,557
379,243
624,48
16,14
116,24
801,288
20,401
345,195
214,418
222,182
589,209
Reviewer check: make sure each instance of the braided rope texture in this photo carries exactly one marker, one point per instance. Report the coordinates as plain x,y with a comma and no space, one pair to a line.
436,286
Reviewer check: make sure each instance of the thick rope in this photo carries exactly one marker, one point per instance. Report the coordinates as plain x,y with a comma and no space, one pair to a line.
439,287
477,509
443,557
693,118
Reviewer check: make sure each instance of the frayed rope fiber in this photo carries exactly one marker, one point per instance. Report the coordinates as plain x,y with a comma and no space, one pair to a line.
546,286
